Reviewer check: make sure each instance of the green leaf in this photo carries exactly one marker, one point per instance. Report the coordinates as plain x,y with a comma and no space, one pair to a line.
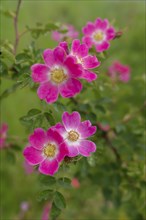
22,57
49,118
8,13
91,117
59,200
33,112
47,180
7,54
55,211
44,195
3,69
64,182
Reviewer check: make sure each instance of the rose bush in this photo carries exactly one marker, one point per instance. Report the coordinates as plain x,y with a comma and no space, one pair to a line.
77,109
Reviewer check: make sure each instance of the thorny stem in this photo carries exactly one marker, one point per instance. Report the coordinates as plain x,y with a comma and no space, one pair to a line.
16,27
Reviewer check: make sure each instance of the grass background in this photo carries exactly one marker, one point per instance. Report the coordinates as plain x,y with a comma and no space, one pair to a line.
127,15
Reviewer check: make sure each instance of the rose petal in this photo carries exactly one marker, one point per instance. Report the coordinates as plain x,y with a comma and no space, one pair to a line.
90,62
70,88
89,76
82,50
72,151
75,45
59,54
33,156
71,121
38,138
63,152
74,69
39,72
110,33
48,91
54,136
88,41
49,57
49,167
103,46
89,28
64,45
86,129
86,148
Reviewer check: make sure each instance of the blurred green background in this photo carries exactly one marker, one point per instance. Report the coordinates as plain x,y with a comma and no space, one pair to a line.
129,49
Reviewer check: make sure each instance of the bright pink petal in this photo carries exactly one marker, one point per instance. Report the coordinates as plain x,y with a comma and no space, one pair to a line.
33,156
89,76
59,54
54,136
39,72
86,129
49,57
60,128
102,24
75,45
90,62
49,167
38,138
98,22
110,33
103,46
48,91
82,50
72,151
88,41
63,152
64,45
86,148
89,28
70,88
71,121
74,69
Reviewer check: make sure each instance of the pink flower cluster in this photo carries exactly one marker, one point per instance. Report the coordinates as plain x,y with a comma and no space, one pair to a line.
70,33
69,138
62,70
3,135
119,71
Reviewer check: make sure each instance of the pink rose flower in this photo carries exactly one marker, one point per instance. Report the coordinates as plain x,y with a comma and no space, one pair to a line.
75,183
45,149
46,212
59,75
103,127
75,133
3,135
98,34
71,33
120,71
81,54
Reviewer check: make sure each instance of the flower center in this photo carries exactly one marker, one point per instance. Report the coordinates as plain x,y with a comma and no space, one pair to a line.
50,150
98,36
58,75
73,136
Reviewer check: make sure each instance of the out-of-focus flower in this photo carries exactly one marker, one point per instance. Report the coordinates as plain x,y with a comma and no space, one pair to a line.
103,127
27,167
46,212
70,33
59,75
75,133
81,54
24,206
45,149
3,135
119,71
98,34
75,183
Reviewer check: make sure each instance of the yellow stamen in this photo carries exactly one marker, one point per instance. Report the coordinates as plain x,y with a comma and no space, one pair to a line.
98,36
50,150
58,75
73,136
